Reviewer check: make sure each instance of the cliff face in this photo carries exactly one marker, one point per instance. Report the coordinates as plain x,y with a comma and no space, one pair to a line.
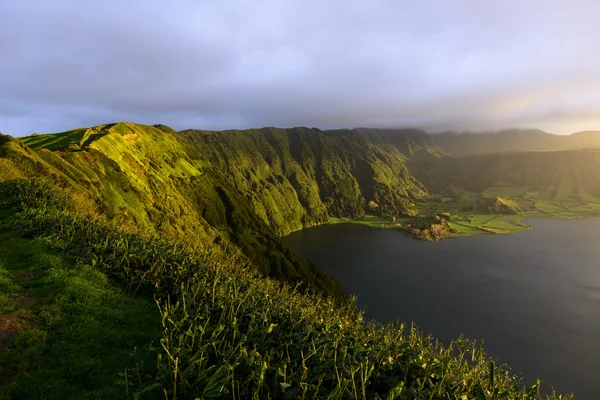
294,178
243,188
246,188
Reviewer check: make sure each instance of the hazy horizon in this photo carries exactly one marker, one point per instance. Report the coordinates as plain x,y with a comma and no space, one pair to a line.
431,65
430,132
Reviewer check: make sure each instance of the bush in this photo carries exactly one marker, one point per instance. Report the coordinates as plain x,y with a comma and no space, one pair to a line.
3,140
21,194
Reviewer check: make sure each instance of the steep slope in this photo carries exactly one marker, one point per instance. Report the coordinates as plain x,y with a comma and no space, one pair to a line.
294,178
575,169
515,140
235,187
168,214
227,332
153,180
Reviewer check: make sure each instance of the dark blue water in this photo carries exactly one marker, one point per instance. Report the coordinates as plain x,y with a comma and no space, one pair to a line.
533,296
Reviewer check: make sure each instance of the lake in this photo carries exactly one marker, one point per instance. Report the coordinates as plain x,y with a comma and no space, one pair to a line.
533,296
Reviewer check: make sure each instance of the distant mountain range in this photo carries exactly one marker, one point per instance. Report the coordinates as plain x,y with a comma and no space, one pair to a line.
512,140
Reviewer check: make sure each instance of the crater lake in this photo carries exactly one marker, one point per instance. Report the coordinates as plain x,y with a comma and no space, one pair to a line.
534,296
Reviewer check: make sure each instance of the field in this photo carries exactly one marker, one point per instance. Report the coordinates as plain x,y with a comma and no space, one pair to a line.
487,223
52,141
371,220
463,224
470,216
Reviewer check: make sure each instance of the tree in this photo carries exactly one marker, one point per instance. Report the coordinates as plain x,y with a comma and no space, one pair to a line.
373,206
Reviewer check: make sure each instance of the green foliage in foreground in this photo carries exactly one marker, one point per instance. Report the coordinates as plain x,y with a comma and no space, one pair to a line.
21,194
70,331
230,333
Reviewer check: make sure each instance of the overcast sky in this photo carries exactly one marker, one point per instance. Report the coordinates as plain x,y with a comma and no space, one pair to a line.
222,64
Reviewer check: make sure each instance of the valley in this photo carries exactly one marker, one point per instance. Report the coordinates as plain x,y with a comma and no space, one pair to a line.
296,178
194,220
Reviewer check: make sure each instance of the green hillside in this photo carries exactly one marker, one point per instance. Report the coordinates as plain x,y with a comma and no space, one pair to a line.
300,177
125,213
515,140
493,193
226,332
152,179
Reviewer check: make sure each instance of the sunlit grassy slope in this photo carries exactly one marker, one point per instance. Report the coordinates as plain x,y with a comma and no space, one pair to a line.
55,141
155,180
192,219
227,332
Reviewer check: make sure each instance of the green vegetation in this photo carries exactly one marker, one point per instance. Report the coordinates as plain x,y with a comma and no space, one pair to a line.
66,332
99,221
153,180
513,141
295,178
494,193
53,141
371,220
433,227
227,331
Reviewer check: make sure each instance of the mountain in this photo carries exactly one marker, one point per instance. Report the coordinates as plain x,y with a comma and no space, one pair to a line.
294,178
241,187
512,140
97,224
572,169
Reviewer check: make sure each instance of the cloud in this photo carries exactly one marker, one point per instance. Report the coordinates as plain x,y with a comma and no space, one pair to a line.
238,64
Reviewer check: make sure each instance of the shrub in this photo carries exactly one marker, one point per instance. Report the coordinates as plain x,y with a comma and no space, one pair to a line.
21,194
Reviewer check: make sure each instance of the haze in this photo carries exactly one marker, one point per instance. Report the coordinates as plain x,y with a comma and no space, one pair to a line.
239,64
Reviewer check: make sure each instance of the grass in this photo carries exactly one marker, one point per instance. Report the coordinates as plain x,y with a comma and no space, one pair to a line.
73,329
470,218
54,141
463,229
502,191
373,221
227,331
463,224
479,224
548,207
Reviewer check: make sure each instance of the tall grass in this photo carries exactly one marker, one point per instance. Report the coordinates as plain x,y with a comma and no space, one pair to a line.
229,333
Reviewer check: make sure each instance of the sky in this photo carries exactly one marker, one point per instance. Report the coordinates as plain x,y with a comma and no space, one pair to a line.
435,65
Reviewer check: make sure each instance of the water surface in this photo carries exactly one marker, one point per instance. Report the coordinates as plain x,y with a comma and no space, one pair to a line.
533,296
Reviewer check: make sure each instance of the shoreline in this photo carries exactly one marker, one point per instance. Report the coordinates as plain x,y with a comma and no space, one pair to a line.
495,224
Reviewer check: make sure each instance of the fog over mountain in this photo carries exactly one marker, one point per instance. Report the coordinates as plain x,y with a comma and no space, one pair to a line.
436,65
